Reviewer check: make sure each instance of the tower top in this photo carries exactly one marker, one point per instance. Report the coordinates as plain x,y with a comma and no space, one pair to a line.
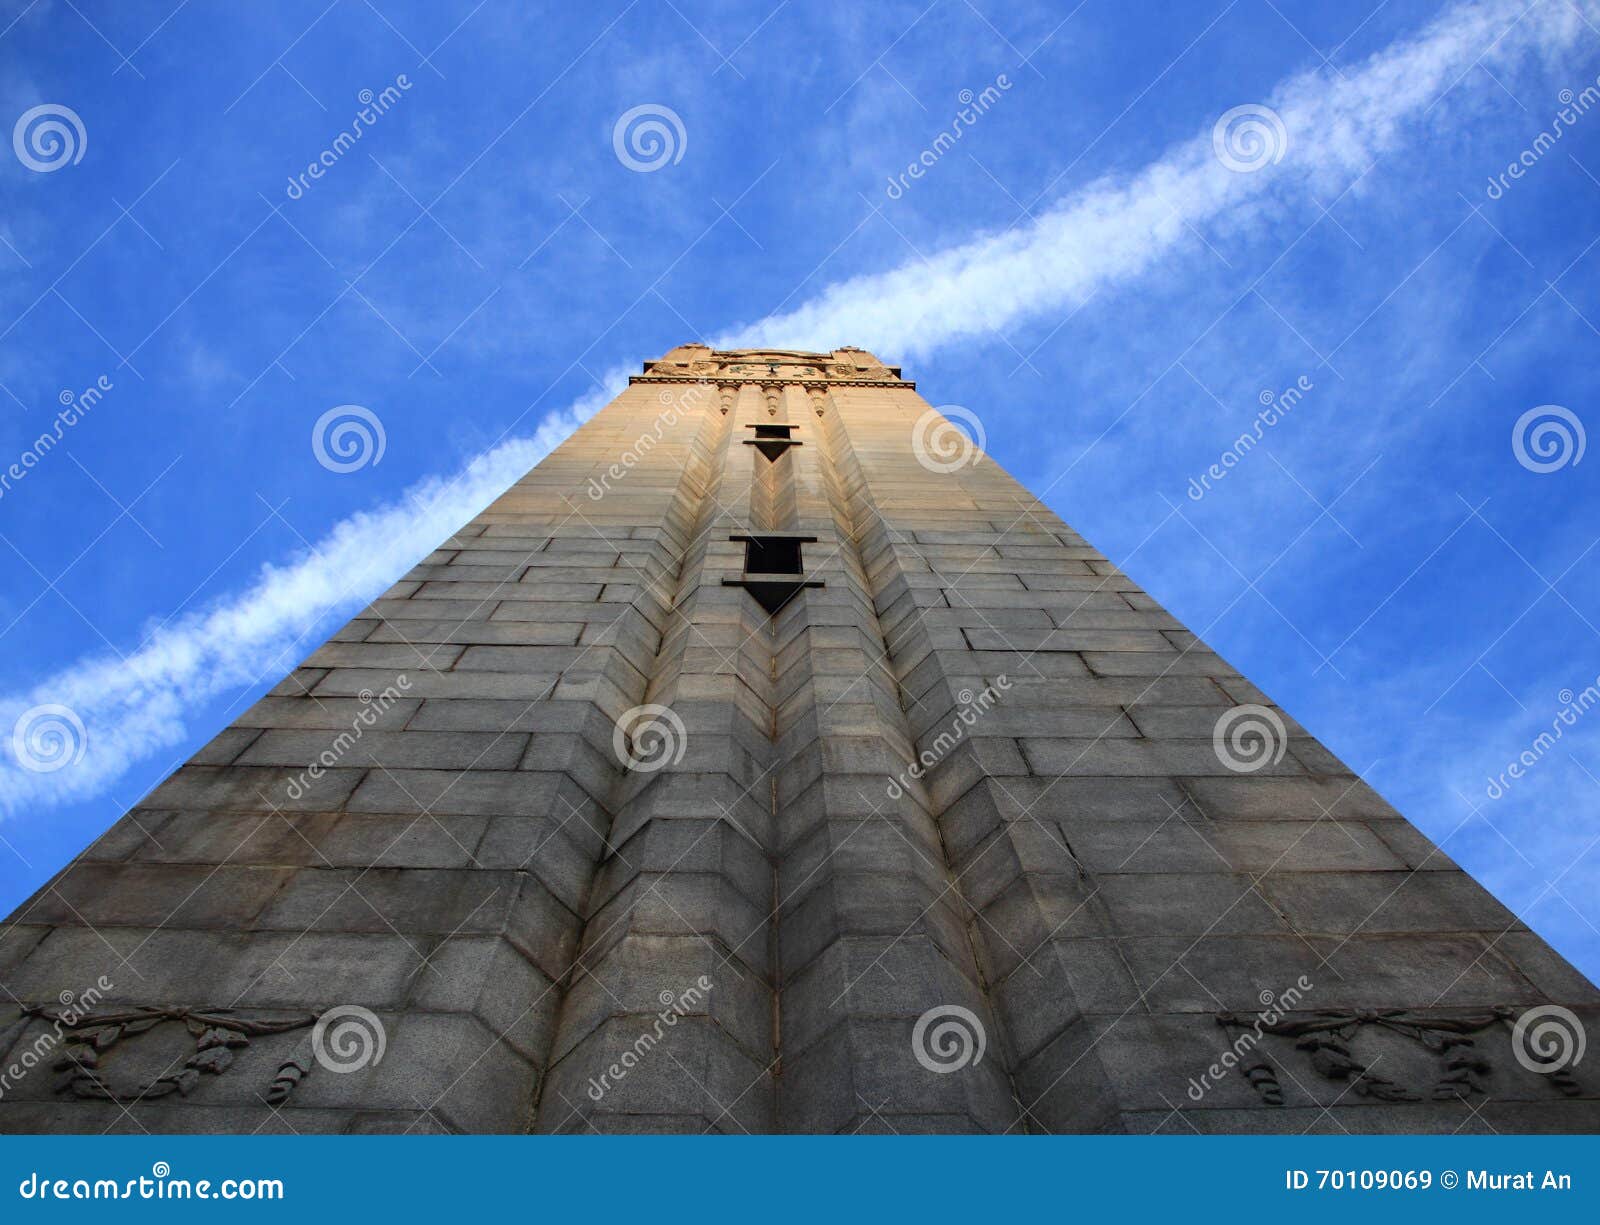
701,363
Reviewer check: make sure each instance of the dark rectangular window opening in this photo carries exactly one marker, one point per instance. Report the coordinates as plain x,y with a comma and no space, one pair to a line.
774,572
772,555
771,439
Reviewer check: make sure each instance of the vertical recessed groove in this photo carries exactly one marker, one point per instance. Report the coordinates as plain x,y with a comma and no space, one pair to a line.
776,953
855,508
695,491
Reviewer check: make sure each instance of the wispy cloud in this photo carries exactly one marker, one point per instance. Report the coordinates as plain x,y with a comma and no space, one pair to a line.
1105,234
1111,231
133,707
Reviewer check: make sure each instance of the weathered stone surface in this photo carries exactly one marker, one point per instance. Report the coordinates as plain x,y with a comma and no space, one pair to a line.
599,844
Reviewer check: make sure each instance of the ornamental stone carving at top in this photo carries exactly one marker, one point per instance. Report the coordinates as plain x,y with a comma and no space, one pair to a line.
772,367
773,370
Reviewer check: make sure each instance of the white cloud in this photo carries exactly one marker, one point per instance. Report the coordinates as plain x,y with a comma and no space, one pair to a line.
1112,231
133,708
1107,233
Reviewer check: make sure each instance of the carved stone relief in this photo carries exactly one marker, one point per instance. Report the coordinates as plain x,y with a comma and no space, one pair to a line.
90,1040
1329,1040
772,370
776,366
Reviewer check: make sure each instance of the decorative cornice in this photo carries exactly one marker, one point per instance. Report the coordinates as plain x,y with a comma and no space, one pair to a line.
742,381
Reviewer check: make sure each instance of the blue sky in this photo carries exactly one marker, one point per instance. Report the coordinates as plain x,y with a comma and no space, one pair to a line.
1081,269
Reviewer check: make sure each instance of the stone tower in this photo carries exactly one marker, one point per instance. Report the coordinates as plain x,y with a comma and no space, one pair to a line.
767,759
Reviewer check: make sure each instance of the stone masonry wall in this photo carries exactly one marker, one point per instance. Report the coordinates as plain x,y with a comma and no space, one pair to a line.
956,839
